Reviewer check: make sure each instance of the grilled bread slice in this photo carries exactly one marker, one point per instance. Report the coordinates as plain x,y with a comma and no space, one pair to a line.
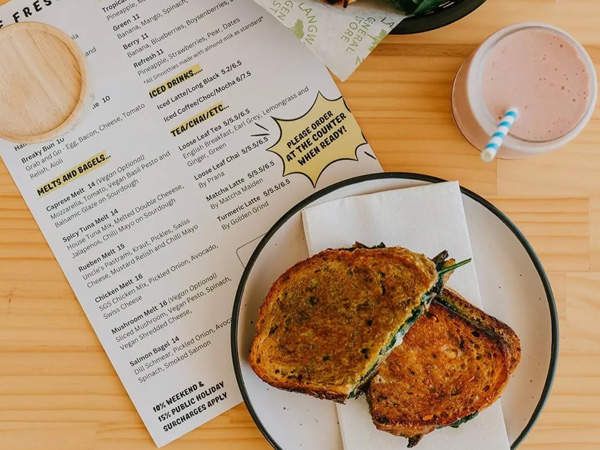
453,363
328,321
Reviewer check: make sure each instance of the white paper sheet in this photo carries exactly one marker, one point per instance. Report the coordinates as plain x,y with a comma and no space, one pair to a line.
425,219
340,37
145,202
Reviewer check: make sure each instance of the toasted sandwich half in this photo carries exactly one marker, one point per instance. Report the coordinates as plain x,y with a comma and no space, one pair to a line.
453,363
328,322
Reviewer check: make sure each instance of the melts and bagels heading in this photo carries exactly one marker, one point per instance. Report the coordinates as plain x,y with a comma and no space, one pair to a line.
327,133
73,174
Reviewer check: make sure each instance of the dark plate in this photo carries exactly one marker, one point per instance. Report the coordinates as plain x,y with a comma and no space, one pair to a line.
443,15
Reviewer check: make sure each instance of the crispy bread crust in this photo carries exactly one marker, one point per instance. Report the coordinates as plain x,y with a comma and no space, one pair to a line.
325,320
493,326
454,362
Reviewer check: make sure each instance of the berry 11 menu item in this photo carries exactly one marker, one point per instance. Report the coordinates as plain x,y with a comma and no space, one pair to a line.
204,123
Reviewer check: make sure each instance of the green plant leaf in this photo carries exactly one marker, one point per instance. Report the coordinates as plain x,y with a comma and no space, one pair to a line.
408,6
427,5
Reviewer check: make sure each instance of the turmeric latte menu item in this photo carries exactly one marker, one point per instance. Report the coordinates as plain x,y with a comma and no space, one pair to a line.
205,122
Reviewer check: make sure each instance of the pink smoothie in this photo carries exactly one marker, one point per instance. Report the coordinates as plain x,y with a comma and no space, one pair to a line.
541,73
540,70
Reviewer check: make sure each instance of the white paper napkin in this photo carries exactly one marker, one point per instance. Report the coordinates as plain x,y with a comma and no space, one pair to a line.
425,219
340,37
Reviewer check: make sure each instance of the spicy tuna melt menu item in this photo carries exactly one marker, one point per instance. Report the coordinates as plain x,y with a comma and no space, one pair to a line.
536,68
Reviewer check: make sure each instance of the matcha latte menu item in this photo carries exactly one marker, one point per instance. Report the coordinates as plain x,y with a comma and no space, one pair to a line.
154,201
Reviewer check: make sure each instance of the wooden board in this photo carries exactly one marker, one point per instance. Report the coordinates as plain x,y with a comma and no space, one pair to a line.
59,391
42,82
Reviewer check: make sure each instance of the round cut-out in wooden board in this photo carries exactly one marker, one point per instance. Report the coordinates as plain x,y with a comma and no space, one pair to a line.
43,82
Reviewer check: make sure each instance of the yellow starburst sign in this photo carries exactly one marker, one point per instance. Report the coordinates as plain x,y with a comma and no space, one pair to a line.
327,133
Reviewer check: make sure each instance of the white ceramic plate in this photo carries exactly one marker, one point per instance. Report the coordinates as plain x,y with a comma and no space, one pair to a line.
514,288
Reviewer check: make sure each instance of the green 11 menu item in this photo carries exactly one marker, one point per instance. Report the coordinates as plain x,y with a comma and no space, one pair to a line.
204,123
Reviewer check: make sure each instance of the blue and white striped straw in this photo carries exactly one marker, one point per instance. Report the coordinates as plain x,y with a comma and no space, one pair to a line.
491,149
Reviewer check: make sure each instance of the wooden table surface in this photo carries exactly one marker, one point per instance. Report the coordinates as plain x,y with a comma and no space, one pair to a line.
58,390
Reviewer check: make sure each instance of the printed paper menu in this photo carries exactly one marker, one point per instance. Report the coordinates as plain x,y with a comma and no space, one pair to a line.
205,122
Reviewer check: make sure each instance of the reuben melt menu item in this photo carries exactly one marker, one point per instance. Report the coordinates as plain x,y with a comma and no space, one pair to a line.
155,200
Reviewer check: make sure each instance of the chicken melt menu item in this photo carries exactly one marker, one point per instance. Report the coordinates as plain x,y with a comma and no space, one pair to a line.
205,122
